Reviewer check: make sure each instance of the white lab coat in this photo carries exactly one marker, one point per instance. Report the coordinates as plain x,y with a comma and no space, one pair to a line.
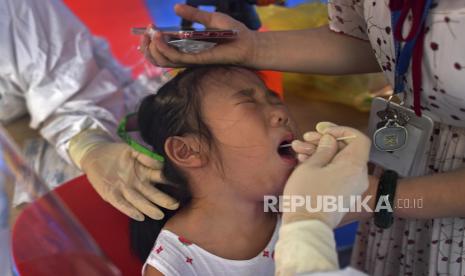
53,68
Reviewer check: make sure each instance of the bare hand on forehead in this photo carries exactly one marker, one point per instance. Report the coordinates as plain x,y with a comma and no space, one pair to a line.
239,51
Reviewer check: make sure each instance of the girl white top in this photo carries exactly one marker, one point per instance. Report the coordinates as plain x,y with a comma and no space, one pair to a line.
174,255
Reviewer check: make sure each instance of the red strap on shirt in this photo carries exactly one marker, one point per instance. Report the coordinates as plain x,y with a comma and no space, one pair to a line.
416,8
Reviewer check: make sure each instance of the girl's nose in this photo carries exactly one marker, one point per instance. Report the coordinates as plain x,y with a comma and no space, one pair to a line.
279,118
283,121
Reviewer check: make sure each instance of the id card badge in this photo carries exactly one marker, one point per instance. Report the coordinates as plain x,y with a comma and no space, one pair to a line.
409,158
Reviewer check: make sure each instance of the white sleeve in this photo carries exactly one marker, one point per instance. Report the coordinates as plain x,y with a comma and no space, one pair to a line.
305,246
55,69
348,271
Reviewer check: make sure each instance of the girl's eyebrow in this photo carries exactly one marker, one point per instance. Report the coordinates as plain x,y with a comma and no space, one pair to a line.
248,92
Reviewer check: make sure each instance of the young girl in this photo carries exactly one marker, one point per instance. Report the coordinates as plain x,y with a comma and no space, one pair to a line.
219,129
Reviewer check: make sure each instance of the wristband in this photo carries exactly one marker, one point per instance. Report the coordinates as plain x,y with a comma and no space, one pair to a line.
386,188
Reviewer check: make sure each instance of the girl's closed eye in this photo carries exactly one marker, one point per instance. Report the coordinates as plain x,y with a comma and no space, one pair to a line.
273,98
245,96
247,100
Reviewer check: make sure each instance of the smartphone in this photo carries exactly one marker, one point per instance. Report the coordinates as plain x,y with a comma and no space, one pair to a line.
190,33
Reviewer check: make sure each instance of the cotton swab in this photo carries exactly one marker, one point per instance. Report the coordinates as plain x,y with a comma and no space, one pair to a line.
337,139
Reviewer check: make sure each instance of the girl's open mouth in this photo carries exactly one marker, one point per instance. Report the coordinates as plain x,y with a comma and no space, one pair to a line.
286,152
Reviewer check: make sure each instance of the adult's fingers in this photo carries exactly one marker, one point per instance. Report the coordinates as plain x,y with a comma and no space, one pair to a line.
327,148
321,126
357,148
193,14
158,197
154,55
146,160
302,157
146,174
303,147
176,58
312,137
156,176
142,204
120,203
144,44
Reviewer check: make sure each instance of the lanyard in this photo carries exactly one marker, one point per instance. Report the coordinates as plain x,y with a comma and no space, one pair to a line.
413,46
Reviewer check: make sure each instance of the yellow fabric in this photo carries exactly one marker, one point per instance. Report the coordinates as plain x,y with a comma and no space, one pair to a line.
354,90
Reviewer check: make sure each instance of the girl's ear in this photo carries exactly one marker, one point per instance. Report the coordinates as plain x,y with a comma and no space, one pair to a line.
184,151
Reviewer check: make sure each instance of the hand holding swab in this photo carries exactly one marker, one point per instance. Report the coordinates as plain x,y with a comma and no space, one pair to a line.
337,139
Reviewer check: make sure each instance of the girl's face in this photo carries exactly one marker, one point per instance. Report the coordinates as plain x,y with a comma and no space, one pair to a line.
249,123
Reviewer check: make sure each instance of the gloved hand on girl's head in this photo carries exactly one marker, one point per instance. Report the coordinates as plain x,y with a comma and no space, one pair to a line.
121,175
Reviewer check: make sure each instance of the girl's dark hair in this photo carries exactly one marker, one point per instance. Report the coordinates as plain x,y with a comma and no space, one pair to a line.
174,111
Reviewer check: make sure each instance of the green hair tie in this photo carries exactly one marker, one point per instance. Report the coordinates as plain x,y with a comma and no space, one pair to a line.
123,134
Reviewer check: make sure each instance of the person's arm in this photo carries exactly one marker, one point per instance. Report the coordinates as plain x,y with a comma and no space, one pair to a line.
66,79
424,197
318,51
442,195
